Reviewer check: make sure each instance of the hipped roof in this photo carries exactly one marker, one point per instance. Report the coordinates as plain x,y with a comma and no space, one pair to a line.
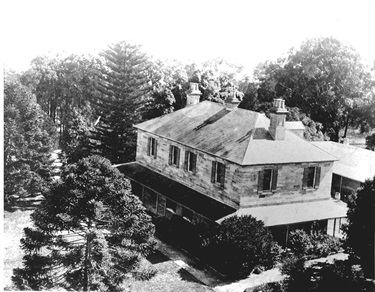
354,162
237,135
286,214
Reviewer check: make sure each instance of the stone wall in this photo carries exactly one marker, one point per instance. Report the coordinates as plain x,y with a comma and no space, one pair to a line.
241,183
200,181
289,184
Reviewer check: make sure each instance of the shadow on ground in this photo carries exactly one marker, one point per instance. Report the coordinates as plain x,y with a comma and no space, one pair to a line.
157,257
186,276
24,204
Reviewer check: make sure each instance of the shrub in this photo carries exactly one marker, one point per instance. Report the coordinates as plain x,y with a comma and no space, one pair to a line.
144,272
324,245
315,245
300,242
343,276
268,287
240,244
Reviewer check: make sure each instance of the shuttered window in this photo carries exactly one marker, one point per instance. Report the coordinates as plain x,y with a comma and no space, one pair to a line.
218,173
190,162
174,156
267,180
152,145
311,177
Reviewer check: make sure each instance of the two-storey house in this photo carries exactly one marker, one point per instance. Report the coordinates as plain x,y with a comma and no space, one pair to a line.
208,161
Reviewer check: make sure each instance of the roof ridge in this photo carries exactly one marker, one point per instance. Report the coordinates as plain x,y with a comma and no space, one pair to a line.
250,138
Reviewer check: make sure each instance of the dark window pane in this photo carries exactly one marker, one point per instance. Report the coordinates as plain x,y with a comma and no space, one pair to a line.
191,161
171,206
149,199
267,178
187,214
310,177
220,172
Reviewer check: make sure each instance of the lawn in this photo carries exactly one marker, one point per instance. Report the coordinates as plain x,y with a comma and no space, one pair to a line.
14,223
171,274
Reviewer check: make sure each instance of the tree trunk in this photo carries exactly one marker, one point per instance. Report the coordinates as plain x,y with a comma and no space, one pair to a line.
86,280
346,125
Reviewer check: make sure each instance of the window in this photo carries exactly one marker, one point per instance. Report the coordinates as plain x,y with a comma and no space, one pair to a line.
311,177
218,173
152,147
171,206
174,156
267,180
190,161
187,214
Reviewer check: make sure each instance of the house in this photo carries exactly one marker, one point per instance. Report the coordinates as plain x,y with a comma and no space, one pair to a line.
353,167
208,161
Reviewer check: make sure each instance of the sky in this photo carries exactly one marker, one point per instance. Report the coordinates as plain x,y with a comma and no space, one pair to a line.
244,32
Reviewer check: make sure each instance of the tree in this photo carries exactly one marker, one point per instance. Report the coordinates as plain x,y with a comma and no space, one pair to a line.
28,140
76,138
370,142
361,225
62,83
124,87
88,233
239,244
324,78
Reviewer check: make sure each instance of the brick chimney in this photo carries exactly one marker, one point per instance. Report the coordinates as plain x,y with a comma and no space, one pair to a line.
277,117
193,94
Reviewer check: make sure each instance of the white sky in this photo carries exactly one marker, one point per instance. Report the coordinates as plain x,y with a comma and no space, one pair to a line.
245,32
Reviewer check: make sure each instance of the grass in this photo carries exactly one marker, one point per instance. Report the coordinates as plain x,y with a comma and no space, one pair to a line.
170,276
14,223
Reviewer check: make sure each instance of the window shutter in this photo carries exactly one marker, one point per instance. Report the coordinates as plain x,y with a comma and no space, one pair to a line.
178,157
222,177
156,148
186,160
170,154
213,171
317,177
304,180
194,162
260,181
148,146
274,179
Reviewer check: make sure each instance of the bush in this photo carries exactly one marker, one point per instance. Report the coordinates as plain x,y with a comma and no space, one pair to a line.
370,142
316,245
268,287
144,272
240,244
344,277
300,242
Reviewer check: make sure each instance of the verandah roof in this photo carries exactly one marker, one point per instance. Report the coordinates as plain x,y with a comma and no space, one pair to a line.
295,212
177,192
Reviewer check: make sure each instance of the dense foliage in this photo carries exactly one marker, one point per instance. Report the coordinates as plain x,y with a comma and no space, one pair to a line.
76,137
324,79
89,232
321,277
370,142
360,229
312,245
240,244
124,85
29,138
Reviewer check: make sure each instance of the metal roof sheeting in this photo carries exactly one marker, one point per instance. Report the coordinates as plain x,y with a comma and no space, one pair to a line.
238,135
354,163
294,213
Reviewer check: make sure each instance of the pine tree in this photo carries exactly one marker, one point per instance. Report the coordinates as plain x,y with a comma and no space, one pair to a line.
88,234
124,86
28,141
76,137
